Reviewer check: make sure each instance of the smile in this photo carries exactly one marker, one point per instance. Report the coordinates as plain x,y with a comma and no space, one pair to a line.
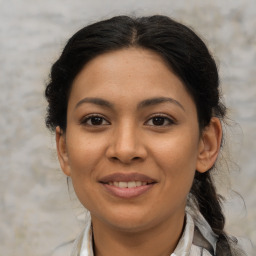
127,185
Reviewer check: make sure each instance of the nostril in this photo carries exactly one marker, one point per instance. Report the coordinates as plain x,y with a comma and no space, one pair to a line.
124,160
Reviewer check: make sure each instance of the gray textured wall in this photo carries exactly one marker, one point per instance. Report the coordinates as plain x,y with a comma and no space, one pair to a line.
36,212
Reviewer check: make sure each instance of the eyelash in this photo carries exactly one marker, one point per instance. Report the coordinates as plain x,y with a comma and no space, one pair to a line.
89,117
166,118
85,120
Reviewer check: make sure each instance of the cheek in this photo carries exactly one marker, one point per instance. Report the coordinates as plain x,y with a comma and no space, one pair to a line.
86,154
177,157
84,149
178,149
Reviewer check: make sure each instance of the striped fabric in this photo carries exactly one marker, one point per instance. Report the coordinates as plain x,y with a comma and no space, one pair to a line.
197,240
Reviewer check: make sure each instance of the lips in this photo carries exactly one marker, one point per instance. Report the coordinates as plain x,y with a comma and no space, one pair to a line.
127,185
126,177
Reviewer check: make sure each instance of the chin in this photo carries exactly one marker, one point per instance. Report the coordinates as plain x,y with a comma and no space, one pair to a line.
129,220
130,226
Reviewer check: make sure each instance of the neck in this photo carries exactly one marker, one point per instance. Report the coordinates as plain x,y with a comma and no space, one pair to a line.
160,240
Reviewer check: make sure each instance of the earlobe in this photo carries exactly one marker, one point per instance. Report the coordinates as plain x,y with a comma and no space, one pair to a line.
62,151
209,145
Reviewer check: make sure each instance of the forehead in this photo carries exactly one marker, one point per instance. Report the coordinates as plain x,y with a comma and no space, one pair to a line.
130,75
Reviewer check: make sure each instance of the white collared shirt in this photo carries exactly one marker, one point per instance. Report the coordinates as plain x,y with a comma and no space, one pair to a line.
198,239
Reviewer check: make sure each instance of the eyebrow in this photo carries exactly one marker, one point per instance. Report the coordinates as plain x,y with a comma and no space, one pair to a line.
159,100
143,104
96,101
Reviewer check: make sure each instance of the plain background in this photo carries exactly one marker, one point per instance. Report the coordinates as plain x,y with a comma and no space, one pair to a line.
36,211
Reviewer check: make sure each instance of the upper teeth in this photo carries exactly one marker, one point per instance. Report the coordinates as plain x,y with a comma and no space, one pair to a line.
129,184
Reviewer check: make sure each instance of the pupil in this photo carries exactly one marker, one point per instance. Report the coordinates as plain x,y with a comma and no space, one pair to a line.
96,120
158,120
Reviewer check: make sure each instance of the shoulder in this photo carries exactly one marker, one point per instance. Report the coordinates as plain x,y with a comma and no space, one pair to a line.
204,239
207,243
199,251
63,249
201,246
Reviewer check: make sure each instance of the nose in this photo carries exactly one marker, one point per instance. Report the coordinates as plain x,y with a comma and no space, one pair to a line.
126,145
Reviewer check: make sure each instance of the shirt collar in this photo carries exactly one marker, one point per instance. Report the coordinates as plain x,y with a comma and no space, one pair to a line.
185,242
83,245
86,247
203,227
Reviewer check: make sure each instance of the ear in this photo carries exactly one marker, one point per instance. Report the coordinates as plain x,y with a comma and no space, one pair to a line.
62,151
209,145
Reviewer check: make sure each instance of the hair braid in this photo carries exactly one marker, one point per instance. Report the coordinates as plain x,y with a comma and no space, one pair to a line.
209,203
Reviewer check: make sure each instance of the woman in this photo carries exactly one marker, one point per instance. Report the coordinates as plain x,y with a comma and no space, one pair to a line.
136,108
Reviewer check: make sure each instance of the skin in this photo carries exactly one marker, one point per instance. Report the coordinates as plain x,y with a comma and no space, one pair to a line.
128,140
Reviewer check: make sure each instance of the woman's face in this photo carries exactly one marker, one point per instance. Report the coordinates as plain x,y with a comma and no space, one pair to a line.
132,141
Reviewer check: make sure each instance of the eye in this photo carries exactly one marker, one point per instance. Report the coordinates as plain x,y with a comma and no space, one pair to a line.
94,120
159,120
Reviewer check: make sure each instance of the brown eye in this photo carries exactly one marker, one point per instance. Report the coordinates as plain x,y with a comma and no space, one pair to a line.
95,121
160,121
